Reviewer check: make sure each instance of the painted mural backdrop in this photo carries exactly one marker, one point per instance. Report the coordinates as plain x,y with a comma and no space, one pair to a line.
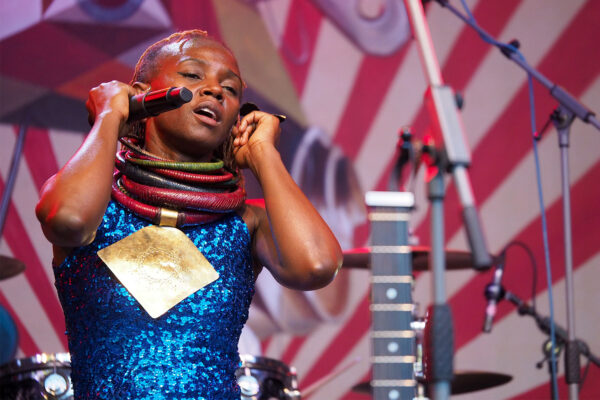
348,76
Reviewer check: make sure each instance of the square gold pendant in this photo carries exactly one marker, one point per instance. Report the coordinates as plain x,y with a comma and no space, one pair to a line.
159,266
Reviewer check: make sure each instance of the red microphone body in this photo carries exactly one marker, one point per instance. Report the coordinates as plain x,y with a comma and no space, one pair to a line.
150,104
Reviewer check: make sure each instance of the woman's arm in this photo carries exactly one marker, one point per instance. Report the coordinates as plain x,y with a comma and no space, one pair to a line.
74,200
290,237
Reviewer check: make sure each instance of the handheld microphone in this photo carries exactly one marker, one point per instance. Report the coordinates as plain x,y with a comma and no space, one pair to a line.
150,104
494,292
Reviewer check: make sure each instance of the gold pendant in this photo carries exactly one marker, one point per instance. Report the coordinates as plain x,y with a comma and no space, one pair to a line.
159,266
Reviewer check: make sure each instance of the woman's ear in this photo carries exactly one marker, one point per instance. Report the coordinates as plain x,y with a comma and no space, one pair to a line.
142,86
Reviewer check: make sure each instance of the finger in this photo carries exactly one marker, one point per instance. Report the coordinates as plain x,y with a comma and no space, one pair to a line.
251,118
247,133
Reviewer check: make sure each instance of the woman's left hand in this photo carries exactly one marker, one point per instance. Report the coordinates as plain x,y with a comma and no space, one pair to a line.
254,130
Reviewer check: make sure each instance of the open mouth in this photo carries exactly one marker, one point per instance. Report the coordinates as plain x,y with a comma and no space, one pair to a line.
207,112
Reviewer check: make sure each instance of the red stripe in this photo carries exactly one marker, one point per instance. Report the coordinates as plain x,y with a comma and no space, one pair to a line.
39,154
264,344
354,329
509,140
372,81
298,41
26,342
292,349
17,238
590,390
586,230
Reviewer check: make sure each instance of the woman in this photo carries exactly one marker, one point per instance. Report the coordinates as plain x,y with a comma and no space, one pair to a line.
119,349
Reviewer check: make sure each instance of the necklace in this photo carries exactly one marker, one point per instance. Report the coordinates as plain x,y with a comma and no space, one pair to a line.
147,185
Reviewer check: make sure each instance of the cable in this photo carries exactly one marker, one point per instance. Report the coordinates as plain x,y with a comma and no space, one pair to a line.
513,49
533,264
585,373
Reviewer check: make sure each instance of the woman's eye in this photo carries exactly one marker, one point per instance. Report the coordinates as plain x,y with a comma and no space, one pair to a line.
189,75
230,89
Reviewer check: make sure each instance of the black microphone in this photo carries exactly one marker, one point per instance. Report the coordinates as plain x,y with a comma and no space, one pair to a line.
150,104
494,292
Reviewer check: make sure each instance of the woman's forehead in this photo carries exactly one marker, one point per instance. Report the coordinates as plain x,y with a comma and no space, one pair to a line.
198,48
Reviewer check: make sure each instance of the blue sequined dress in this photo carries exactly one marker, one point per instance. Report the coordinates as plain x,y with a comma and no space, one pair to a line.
119,352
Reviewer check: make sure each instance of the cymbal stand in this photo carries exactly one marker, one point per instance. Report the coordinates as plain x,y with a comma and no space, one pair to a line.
12,175
551,354
545,325
441,330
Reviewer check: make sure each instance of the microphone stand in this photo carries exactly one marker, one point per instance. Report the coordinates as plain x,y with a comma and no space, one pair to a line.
545,325
562,118
448,129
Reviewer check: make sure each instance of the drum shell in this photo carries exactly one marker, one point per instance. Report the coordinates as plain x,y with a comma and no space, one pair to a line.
272,379
41,377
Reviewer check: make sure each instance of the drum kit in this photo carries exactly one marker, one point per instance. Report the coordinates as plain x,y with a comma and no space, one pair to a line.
47,376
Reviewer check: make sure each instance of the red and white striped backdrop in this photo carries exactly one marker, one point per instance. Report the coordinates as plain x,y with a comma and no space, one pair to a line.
360,101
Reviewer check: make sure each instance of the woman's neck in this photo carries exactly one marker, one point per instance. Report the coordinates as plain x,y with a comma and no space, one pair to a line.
160,149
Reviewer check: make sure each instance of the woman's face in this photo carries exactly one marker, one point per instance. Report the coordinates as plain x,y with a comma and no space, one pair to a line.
193,131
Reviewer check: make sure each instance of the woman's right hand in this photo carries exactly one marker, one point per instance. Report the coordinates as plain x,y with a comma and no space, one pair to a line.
111,98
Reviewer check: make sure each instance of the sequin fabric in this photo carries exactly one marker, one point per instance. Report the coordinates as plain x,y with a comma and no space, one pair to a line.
119,352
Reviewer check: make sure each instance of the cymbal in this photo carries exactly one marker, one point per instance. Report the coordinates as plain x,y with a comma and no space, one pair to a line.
10,267
455,259
463,382
471,381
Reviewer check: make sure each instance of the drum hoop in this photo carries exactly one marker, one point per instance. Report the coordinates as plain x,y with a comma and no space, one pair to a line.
37,362
264,363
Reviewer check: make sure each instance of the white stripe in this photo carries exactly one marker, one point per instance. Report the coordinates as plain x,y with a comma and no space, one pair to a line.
330,78
21,297
516,335
275,16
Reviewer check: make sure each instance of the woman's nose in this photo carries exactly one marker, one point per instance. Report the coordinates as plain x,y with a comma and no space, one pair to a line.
212,89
